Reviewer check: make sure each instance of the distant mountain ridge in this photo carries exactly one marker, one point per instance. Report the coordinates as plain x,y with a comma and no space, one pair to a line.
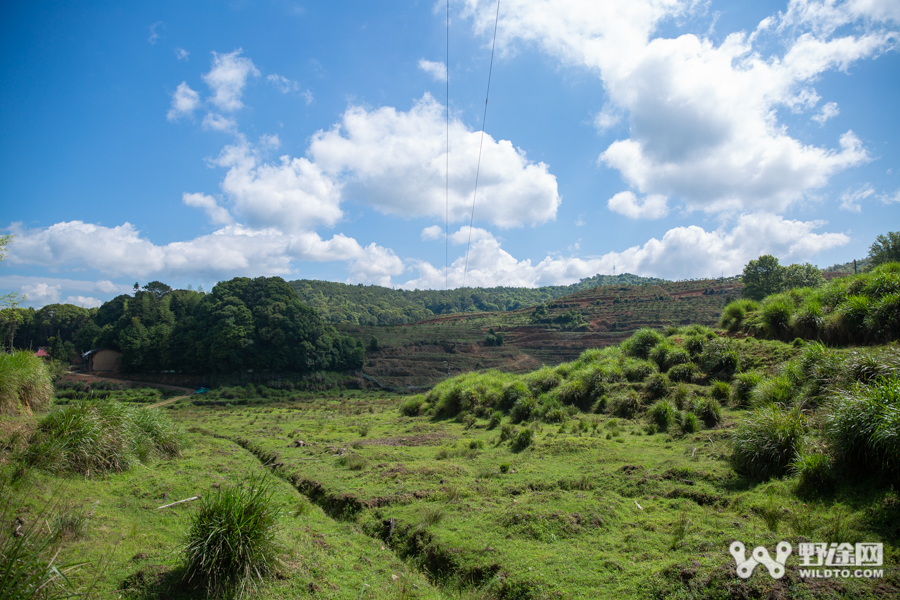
377,305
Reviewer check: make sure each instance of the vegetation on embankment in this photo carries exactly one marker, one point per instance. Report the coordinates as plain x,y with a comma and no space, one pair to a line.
860,309
25,382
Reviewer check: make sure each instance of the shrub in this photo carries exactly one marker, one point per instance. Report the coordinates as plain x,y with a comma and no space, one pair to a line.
523,440
507,432
694,344
542,380
720,390
865,366
690,423
815,473
742,387
637,370
657,386
808,321
100,436
660,355
767,441
24,382
734,313
683,373
496,419
863,425
680,395
412,406
663,414
774,390
719,359
231,543
575,392
512,392
709,410
625,406
523,409
677,356
640,344
775,316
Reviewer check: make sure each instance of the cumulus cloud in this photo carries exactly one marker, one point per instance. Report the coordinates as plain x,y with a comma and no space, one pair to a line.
703,117
84,301
395,161
48,290
683,252
216,122
231,251
437,70
184,102
292,194
651,207
210,205
435,232
227,79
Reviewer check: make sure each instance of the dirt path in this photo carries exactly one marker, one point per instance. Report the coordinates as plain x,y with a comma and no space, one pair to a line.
165,402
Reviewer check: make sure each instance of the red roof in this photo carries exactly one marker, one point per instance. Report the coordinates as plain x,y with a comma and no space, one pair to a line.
42,352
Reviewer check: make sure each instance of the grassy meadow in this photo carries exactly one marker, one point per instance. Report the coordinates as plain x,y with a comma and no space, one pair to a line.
626,473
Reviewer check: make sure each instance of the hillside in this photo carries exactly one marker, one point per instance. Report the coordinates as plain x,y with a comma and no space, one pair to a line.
422,353
377,305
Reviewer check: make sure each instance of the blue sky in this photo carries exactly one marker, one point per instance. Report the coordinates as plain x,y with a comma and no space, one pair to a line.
195,142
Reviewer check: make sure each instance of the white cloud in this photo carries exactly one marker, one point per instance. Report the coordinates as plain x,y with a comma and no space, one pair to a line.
683,252
154,32
231,251
286,86
651,207
827,112
84,301
292,194
608,117
217,122
852,201
437,70
216,213
227,79
435,232
395,161
48,290
182,54
41,293
703,117
184,102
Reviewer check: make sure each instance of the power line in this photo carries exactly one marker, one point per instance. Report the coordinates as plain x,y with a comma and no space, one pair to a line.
481,143
447,170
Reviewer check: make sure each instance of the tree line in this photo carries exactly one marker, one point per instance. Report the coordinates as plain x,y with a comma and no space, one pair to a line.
243,323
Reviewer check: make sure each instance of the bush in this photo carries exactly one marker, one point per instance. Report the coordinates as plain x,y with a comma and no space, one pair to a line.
719,359
683,373
690,423
709,410
231,543
863,425
512,392
815,473
101,436
412,406
775,316
680,395
496,419
734,313
775,390
523,440
25,382
743,386
766,442
657,386
640,344
663,414
625,406
542,380
523,409
720,390
660,355
637,370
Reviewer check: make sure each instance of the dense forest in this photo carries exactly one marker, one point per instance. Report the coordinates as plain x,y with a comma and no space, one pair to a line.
376,305
241,324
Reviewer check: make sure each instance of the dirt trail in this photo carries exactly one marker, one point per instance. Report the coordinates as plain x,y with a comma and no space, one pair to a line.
162,386
165,402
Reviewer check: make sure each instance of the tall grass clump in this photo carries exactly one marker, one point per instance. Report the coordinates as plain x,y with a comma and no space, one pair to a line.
734,314
101,436
231,546
640,344
863,425
780,390
743,386
774,317
25,382
766,442
663,414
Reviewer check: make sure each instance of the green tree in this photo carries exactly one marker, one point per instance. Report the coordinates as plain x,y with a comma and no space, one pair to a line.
762,277
885,249
805,275
373,344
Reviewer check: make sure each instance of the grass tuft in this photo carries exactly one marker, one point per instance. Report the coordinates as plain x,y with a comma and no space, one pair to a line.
25,383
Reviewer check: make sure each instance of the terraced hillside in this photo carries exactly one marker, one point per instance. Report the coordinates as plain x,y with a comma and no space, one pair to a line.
422,353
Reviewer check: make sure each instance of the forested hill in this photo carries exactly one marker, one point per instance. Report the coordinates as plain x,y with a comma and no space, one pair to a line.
376,305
